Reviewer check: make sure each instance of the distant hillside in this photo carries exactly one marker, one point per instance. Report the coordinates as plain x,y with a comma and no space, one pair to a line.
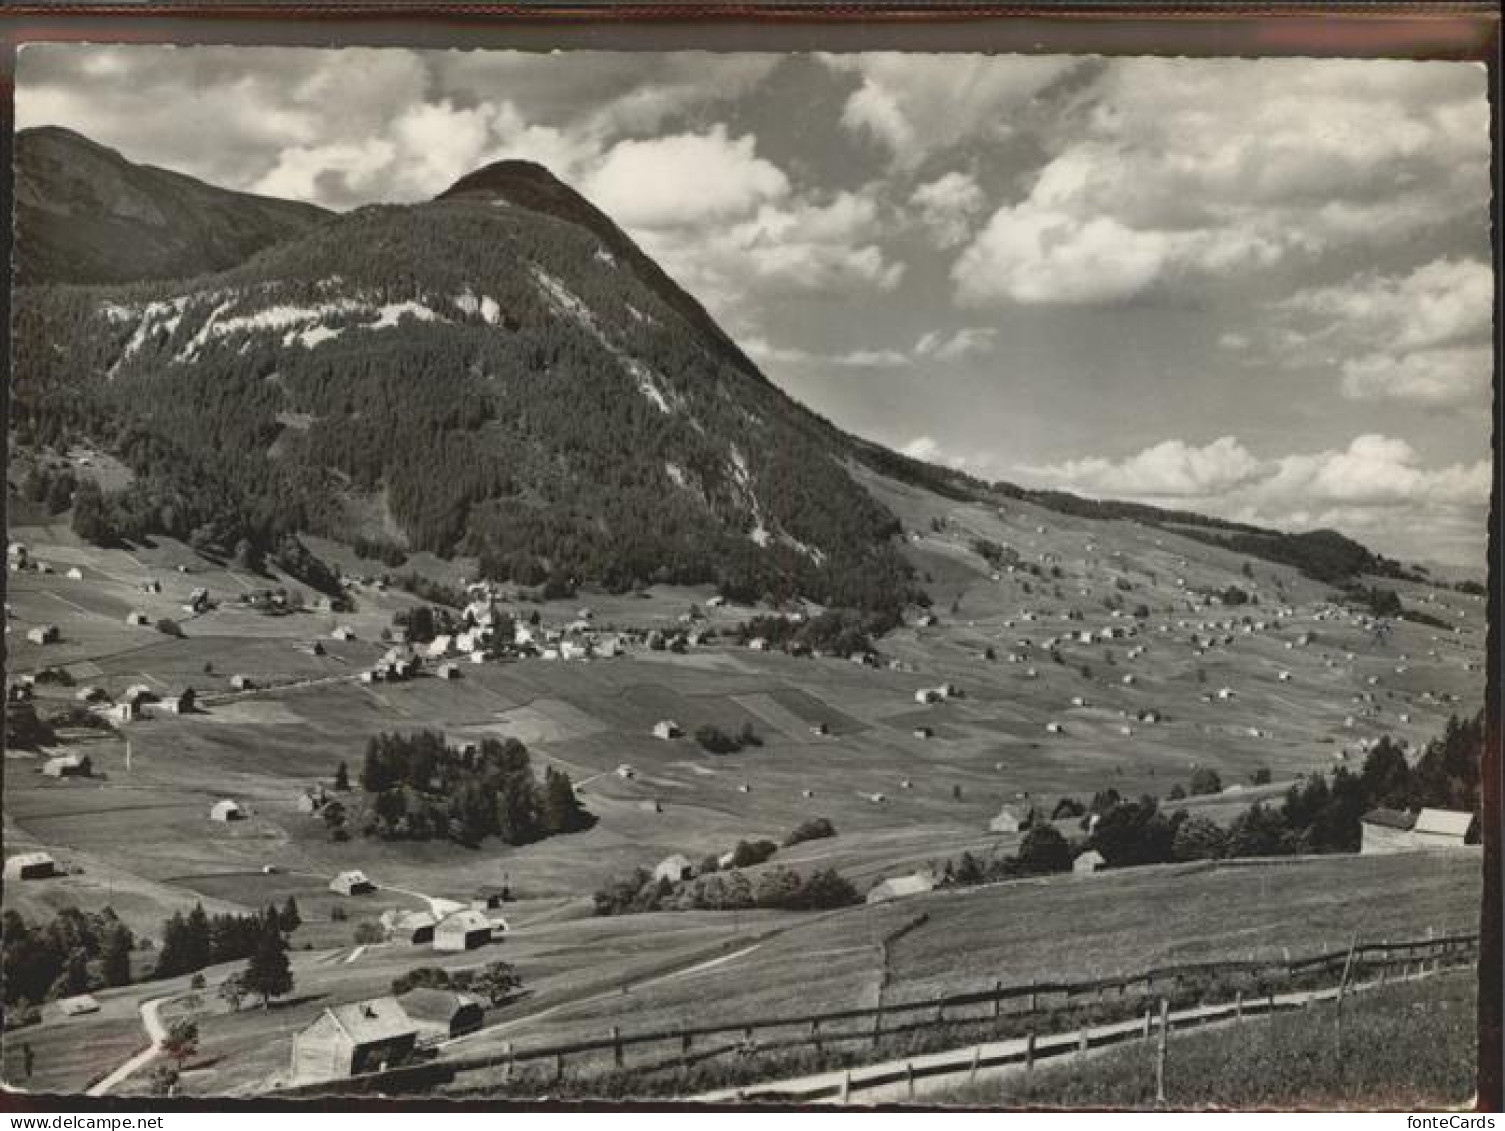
499,372
84,214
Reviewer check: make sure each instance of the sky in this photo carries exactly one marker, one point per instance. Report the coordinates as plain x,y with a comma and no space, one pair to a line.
1259,289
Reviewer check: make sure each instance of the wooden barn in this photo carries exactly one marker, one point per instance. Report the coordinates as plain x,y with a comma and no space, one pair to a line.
1088,862
180,702
667,728
673,868
464,930
413,927
352,882
226,810
30,866
899,887
347,1040
440,1015
68,766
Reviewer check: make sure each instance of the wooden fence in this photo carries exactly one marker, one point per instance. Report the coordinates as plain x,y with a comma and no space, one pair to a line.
1250,986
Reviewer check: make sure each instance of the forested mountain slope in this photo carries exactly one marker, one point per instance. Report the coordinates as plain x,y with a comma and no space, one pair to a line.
84,214
498,372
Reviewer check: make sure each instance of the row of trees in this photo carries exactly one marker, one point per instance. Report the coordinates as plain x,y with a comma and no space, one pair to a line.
74,953
195,940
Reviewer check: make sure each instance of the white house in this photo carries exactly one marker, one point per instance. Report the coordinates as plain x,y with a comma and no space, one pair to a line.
667,729
43,634
351,882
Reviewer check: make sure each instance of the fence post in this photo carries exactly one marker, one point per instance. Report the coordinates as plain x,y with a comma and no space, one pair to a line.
506,1062
558,1067
909,1077
846,1085
1238,1007
976,1056
1029,1051
1081,1042
616,1046
877,1025
815,1033
1160,1051
1034,998
1385,962
1145,1033
997,999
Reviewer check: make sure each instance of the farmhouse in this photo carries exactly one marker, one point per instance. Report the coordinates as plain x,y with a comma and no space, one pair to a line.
414,927
242,682
1088,862
343,632
30,866
67,766
126,711
666,729
136,620
75,574
1386,830
347,1040
449,671
464,930
673,868
440,1015
43,634
91,694
312,800
351,882
898,887
1444,828
1010,820
226,810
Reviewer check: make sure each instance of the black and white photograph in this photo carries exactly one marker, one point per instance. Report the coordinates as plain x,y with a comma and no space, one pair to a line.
746,577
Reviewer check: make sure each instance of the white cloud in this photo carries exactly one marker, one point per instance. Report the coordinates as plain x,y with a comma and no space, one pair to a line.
684,179
947,207
915,105
1157,177
1436,377
1169,469
921,447
1376,488
970,341
1422,336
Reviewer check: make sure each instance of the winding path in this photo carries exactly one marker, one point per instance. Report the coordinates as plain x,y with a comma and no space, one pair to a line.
151,1018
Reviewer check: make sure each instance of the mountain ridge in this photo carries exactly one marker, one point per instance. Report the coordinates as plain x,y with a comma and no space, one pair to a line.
519,382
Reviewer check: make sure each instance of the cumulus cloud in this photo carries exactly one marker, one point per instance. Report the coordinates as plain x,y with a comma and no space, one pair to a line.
1421,336
934,345
1157,178
684,179
1377,487
947,206
921,447
916,105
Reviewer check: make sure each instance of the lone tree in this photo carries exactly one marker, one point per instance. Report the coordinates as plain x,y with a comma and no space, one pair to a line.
268,974
181,1042
342,778
496,982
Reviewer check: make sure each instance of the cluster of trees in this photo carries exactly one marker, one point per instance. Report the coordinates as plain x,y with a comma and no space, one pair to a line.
495,982
195,940
1319,814
714,740
424,622
75,952
815,828
732,890
1043,850
835,632
422,788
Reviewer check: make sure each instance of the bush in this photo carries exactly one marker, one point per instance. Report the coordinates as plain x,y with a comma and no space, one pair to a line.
1205,780
748,853
1044,850
169,627
368,932
816,828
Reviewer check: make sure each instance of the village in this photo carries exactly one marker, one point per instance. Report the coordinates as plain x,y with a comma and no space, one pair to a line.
199,722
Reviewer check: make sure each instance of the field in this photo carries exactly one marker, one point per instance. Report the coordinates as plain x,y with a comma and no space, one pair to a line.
137,836
1408,1047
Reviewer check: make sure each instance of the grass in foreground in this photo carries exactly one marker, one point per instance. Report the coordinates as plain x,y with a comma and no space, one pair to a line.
1404,1047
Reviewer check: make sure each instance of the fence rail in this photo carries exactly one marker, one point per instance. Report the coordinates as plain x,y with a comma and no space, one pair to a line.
1252,984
